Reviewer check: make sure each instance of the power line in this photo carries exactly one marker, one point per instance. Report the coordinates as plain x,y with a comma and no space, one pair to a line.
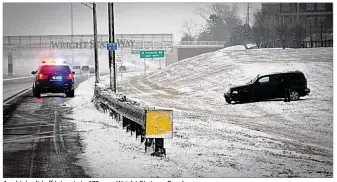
87,5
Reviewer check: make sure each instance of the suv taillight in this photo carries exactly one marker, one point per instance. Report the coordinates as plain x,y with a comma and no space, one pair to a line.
70,76
42,76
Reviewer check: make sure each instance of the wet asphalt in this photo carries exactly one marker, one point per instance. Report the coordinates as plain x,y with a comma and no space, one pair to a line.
39,139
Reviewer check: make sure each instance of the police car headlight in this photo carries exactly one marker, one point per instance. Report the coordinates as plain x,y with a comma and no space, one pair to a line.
235,92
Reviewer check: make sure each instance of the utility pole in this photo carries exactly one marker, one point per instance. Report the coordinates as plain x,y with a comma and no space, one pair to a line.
112,54
95,44
247,14
246,27
72,32
72,20
110,41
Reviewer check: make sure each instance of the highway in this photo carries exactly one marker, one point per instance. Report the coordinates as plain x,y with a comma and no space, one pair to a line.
38,138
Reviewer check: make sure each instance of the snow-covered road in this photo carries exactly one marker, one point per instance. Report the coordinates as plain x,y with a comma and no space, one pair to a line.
212,138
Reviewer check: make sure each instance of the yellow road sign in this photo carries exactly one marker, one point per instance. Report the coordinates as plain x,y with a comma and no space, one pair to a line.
159,124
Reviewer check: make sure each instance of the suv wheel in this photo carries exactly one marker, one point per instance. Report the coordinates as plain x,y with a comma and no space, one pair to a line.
228,101
71,93
294,95
36,93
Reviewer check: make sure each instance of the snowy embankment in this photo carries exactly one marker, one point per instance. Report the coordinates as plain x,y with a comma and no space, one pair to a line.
212,138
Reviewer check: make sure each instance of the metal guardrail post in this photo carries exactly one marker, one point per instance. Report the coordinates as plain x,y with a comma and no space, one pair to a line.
159,147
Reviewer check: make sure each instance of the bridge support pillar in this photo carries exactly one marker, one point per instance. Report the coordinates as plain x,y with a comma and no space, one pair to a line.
10,63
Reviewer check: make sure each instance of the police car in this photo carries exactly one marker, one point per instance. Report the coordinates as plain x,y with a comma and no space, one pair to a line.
53,77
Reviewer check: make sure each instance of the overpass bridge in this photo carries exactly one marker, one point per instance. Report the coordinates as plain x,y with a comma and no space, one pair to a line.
80,42
18,48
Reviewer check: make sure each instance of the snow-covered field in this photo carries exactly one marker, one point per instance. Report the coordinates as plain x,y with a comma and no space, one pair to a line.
212,138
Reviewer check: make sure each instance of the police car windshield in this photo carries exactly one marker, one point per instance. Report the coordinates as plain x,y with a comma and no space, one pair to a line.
52,69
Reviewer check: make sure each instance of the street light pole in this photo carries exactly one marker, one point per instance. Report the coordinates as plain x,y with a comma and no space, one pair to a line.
95,44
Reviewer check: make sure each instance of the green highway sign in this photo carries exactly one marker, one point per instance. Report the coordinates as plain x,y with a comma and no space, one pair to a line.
152,54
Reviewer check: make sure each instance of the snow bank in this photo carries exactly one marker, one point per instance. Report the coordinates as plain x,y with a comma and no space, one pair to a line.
212,138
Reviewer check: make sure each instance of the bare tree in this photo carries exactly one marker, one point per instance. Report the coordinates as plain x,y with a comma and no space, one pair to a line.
190,30
311,34
298,33
264,29
259,28
256,31
282,31
225,13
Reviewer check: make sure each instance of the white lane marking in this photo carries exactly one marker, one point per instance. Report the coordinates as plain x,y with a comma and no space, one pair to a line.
19,78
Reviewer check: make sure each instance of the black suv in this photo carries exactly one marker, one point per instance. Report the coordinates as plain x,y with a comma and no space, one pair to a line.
53,79
269,87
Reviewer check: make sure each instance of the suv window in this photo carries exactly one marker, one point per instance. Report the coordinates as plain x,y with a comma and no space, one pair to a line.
276,79
52,69
264,79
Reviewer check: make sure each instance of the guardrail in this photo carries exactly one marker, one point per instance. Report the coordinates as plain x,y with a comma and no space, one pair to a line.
152,125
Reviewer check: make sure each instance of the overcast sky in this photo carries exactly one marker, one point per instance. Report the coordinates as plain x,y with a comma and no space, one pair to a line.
54,18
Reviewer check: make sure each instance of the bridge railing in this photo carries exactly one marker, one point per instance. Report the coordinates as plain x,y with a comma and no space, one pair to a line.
47,38
202,43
